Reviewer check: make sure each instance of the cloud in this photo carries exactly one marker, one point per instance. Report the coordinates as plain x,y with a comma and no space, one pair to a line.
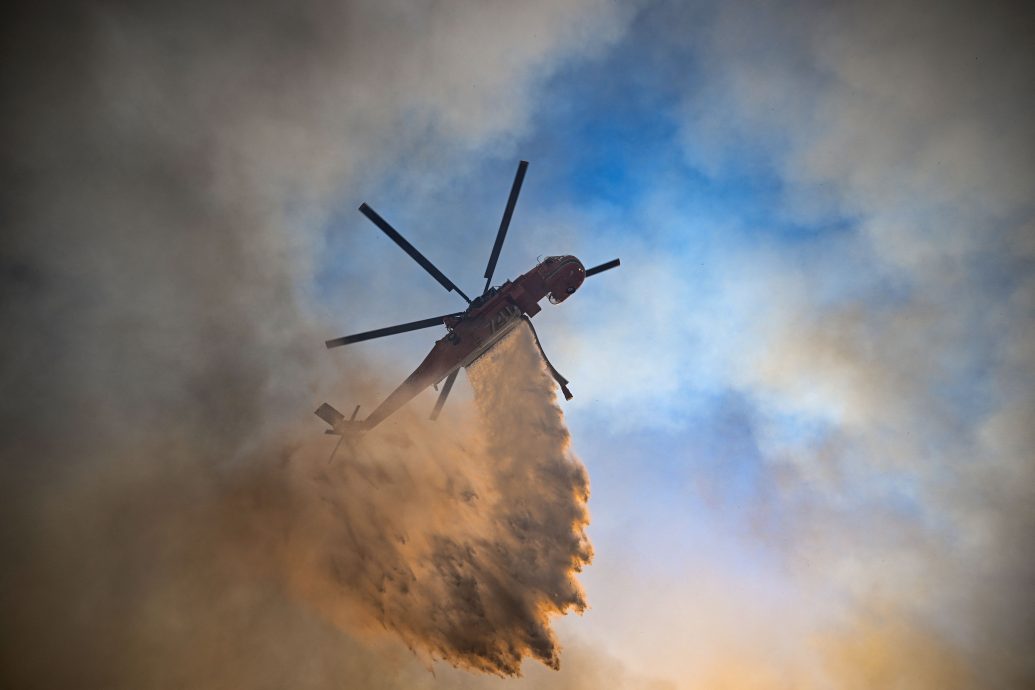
904,337
876,650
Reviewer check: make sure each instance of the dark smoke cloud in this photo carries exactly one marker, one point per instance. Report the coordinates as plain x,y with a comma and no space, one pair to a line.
166,169
159,575
463,543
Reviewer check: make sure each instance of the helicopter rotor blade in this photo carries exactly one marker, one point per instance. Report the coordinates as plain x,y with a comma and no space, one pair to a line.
394,235
515,189
614,263
390,330
444,393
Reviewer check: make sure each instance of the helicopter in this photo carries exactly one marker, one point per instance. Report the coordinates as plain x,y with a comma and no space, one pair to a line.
472,332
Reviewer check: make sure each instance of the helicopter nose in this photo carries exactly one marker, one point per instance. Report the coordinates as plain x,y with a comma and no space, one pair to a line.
577,273
567,279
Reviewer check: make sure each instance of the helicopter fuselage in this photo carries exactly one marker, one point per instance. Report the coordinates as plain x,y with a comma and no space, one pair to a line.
494,314
489,318
472,332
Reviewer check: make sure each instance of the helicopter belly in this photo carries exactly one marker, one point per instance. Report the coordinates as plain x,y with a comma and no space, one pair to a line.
500,327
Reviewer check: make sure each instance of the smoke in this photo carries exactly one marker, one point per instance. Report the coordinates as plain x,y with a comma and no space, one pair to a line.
464,543
463,540
168,173
874,650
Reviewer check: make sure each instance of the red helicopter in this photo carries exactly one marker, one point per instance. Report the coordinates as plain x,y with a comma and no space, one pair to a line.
472,332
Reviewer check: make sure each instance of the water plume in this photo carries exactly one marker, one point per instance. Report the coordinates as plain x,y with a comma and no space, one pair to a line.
463,541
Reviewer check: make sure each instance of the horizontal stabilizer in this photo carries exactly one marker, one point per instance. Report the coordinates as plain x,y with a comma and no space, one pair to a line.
329,415
340,425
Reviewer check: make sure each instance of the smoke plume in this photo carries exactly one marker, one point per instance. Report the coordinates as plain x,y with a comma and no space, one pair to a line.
168,171
461,539
464,542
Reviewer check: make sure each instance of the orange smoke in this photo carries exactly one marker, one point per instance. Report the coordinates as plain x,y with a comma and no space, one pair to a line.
463,540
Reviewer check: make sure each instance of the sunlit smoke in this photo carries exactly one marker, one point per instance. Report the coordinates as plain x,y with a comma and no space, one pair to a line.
462,538
463,541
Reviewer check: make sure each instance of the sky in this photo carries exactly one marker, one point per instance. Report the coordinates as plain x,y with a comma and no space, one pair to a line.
800,452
